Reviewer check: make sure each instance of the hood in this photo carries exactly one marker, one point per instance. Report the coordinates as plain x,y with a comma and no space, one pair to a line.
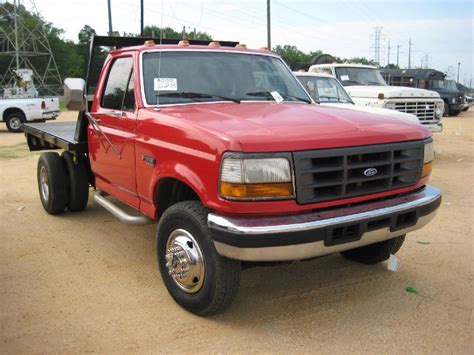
390,92
450,93
269,126
382,112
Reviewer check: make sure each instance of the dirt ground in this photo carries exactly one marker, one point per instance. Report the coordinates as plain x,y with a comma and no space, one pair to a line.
84,282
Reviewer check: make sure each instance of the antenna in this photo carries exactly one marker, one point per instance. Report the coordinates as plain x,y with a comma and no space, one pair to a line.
159,59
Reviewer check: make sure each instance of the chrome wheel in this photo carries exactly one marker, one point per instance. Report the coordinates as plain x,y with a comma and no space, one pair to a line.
184,261
15,123
44,184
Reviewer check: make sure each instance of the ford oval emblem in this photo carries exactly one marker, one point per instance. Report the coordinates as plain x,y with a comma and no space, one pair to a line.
370,172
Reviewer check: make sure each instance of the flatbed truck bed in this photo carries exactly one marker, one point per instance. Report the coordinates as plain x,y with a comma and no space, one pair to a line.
57,135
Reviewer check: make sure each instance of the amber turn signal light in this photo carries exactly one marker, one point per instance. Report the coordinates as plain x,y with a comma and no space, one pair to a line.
183,42
427,169
273,190
214,44
149,42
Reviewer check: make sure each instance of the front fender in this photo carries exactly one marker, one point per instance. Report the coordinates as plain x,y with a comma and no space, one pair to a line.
181,172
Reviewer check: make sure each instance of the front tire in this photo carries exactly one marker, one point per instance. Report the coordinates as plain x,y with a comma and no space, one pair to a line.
196,276
14,122
52,183
375,253
455,113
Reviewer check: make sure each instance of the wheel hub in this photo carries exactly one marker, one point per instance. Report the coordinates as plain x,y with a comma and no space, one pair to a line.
184,261
15,123
44,183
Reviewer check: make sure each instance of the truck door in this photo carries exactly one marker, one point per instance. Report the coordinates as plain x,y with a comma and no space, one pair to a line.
112,142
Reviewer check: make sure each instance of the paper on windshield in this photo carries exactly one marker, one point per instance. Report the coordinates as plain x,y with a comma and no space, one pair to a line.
165,84
276,96
345,77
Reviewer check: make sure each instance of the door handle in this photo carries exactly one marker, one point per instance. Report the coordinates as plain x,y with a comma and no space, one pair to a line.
118,114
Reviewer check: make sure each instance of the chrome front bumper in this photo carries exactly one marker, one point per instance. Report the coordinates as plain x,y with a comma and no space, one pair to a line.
435,127
303,236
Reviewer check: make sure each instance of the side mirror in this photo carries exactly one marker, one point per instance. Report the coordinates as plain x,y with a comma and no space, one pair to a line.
74,91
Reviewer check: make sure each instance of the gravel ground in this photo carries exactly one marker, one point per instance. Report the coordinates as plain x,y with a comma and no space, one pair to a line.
84,282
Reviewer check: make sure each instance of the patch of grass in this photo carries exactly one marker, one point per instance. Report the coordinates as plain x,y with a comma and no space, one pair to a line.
14,151
62,106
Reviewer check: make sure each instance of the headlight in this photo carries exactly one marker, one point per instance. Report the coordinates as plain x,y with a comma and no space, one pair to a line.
428,156
390,105
439,109
256,177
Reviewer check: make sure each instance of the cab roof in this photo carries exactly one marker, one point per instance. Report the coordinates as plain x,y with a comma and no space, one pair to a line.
309,73
336,65
220,48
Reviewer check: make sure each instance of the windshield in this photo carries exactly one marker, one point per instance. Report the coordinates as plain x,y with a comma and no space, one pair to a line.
443,84
359,76
193,76
324,89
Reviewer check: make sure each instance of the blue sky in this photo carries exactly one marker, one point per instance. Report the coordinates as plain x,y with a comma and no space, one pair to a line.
443,29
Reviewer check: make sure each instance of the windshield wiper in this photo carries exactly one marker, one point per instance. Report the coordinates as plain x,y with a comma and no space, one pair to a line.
351,82
269,94
373,83
197,95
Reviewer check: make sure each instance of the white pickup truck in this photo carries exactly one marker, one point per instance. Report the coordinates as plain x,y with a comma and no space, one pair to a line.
16,111
326,90
365,85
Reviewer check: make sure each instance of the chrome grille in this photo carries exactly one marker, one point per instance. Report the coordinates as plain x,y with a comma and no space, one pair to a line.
424,110
328,174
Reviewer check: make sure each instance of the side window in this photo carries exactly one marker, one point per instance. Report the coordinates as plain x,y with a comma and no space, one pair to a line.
327,71
116,85
129,99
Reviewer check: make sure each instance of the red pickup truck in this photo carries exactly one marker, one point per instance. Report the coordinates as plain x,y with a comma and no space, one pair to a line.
224,148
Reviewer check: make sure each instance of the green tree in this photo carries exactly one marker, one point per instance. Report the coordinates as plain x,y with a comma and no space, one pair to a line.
294,57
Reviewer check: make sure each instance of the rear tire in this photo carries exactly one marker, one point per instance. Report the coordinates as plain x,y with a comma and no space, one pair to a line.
53,183
209,281
78,183
14,122
375,253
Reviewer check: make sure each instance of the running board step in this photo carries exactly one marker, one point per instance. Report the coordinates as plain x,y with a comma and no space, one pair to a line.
123,216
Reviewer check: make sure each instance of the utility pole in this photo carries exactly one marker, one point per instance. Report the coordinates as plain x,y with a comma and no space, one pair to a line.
459,66
110,17
421,66
269,37
427,56
398,55
409,53
194,33
183,35
388,58
141,18
17,54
